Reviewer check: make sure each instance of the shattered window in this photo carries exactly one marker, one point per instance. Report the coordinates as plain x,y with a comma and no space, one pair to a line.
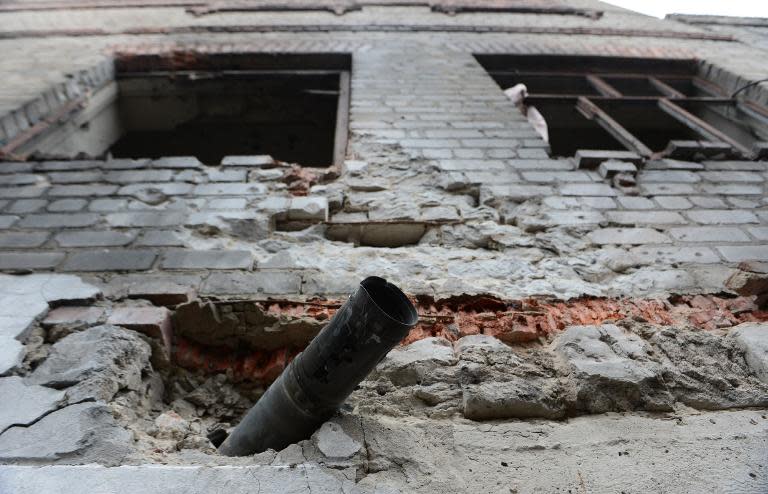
653,107
292,107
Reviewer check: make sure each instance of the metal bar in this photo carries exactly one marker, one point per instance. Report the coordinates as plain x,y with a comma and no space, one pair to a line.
700,126
602,87
342,120
754,110
216,74
625,137
629,99
622,75
665,88
709,87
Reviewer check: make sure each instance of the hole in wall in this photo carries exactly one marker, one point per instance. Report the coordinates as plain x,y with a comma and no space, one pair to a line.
292,107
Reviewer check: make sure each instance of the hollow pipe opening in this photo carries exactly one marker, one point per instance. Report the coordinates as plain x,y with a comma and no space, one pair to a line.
390,300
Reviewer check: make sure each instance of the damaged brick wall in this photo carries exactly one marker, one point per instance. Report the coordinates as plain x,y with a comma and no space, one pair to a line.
255,340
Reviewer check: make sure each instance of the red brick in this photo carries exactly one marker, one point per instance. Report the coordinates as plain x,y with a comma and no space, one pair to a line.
74,315
152,321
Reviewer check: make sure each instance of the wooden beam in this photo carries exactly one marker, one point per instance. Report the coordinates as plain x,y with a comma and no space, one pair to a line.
603,87
625,137
342,120
701,127
665,88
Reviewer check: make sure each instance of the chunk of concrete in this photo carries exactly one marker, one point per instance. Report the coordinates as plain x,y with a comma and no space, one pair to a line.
94,363
611,368
517,398
25,298
167,479
334,443
752,338
29,403
409,365
77,434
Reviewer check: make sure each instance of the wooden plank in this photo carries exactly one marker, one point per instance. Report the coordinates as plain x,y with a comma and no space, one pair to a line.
700,126
342,120
621,134
665,88
602,87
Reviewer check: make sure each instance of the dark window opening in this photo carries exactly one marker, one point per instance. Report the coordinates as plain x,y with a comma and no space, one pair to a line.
641,105
292,107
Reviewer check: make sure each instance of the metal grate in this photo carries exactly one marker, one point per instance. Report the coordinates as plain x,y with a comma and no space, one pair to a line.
653,108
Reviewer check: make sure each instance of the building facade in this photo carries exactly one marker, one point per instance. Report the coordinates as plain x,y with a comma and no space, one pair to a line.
190,189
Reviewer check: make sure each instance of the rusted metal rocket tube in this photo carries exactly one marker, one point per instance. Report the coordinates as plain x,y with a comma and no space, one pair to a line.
315,384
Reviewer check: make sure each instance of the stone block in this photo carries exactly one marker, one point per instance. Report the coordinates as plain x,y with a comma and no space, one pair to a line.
143,219
257,161
153,193
492,194
255,283
83,177
645,217
632,202
591,158
22,239
110,260
177,162
61,220
308,208
23,192
355,167
664,189
732,189
722,216
231,175
152,321
230,189
20,179
665,255
22,261
23,206
740,253
207,259
82,190
674,202
609,168
588,190
160,238
630,236
137,176
87,238
668,176
87,316
708,234
161,292
67,205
